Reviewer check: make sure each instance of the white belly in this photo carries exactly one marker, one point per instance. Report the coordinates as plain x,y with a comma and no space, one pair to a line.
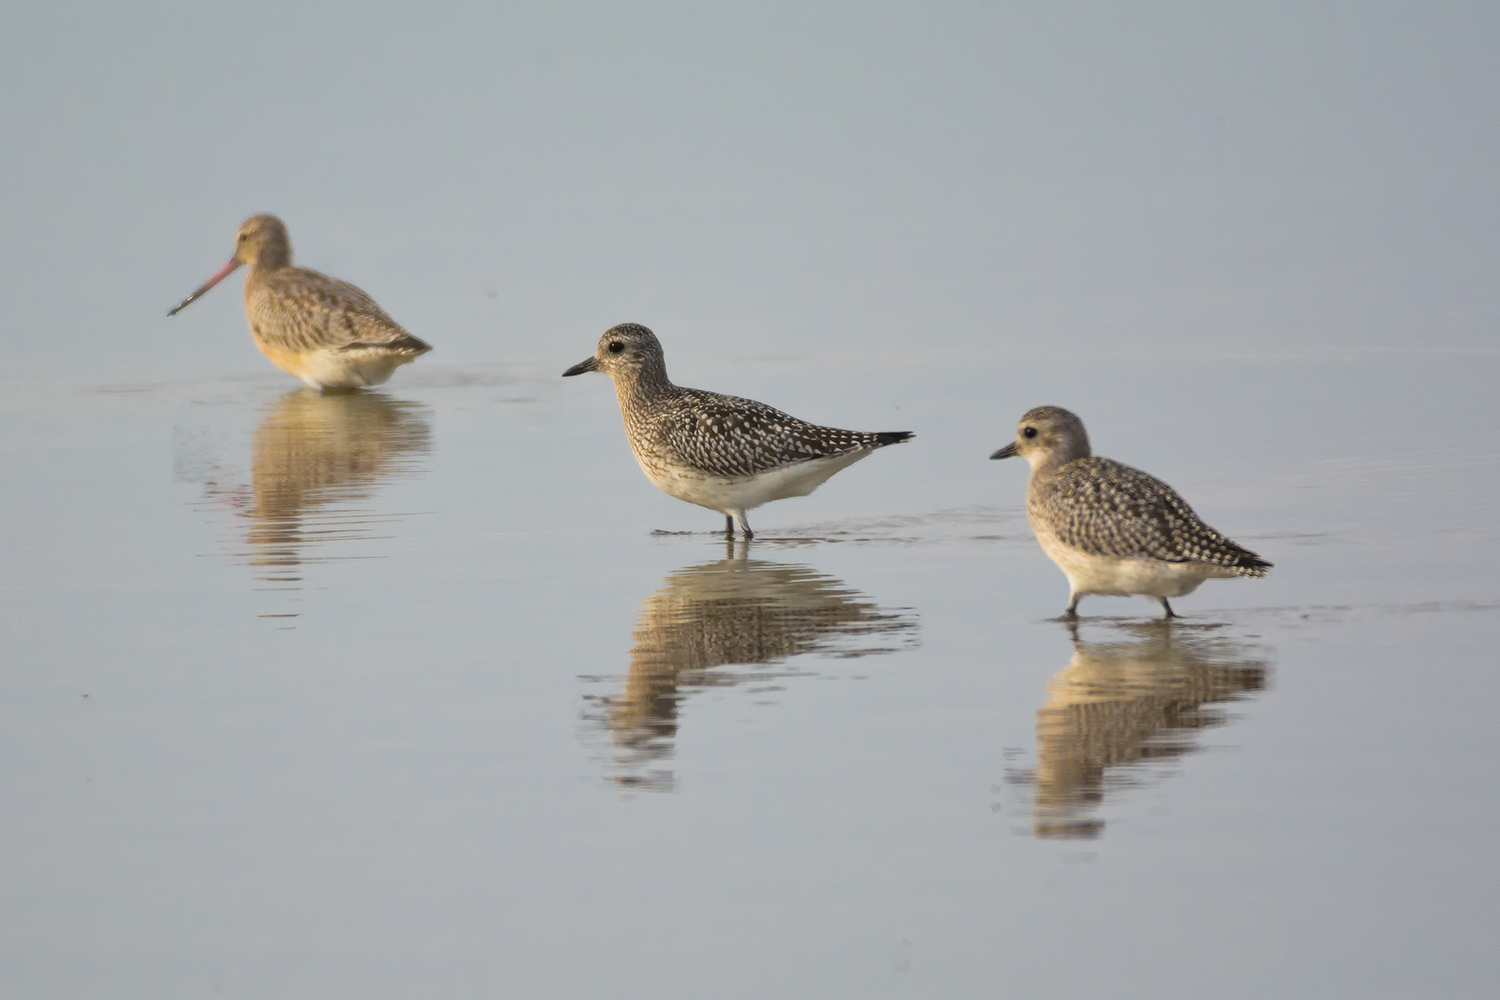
1090,574
352,369
346,369
746,492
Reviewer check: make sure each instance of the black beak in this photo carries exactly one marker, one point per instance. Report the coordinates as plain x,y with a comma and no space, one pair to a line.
591,365
1009,451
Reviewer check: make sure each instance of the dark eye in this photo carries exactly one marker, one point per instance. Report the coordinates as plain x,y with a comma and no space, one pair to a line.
615,346
1029,432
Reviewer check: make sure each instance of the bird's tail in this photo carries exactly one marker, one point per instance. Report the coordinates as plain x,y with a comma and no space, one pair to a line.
1251,564
405,344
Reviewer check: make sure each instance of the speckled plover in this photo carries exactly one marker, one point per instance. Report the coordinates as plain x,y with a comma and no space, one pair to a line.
1112,529
325,331
721,452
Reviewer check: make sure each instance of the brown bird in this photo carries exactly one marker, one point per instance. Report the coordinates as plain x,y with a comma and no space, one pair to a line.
1112,529
326,332
722,452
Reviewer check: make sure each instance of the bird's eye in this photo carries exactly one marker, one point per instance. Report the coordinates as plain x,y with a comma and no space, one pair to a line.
616,346
1029,432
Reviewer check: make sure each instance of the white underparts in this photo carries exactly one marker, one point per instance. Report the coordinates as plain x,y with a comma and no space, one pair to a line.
744,493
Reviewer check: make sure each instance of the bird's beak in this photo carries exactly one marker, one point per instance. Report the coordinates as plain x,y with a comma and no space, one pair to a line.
1009,451
591,365
211,282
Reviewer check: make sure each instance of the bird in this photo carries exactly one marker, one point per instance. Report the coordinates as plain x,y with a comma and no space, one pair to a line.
326,332
721,452
1113,529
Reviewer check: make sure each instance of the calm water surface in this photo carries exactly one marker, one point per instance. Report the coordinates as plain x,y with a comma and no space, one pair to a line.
427,692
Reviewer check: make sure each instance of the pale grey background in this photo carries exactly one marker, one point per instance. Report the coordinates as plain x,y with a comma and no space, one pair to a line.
1253,245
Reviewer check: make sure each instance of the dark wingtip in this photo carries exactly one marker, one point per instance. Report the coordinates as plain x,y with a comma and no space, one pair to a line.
884,438
1251,564
407,345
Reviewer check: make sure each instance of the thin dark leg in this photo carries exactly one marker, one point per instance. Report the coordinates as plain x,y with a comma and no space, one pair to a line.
1072,611
1168,608
728,525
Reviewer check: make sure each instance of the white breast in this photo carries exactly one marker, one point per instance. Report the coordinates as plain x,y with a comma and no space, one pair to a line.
1091,574
327,369
746,492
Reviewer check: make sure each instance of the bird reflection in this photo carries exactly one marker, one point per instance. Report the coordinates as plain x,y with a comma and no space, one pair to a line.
732,612
312,457
1121,703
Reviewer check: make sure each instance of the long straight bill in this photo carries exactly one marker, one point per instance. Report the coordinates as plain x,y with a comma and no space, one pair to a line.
211,282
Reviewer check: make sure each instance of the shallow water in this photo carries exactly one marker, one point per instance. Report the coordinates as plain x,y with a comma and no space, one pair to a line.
426,690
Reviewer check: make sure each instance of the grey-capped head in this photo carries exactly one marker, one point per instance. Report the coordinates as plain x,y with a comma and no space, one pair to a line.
625,352
1048,435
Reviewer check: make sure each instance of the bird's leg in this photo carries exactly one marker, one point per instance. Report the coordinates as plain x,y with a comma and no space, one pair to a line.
1072,611
728,525
739,516
1167,608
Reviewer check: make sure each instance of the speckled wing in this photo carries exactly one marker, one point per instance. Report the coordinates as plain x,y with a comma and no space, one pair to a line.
301,310
728,437
1101,507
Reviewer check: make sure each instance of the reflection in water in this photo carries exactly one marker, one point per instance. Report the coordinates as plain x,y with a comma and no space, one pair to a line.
312,457
734,611
1126,702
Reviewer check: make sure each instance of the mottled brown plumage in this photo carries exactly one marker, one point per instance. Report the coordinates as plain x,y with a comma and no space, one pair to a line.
730,436
1105,508
325,331
1113,529
725,453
